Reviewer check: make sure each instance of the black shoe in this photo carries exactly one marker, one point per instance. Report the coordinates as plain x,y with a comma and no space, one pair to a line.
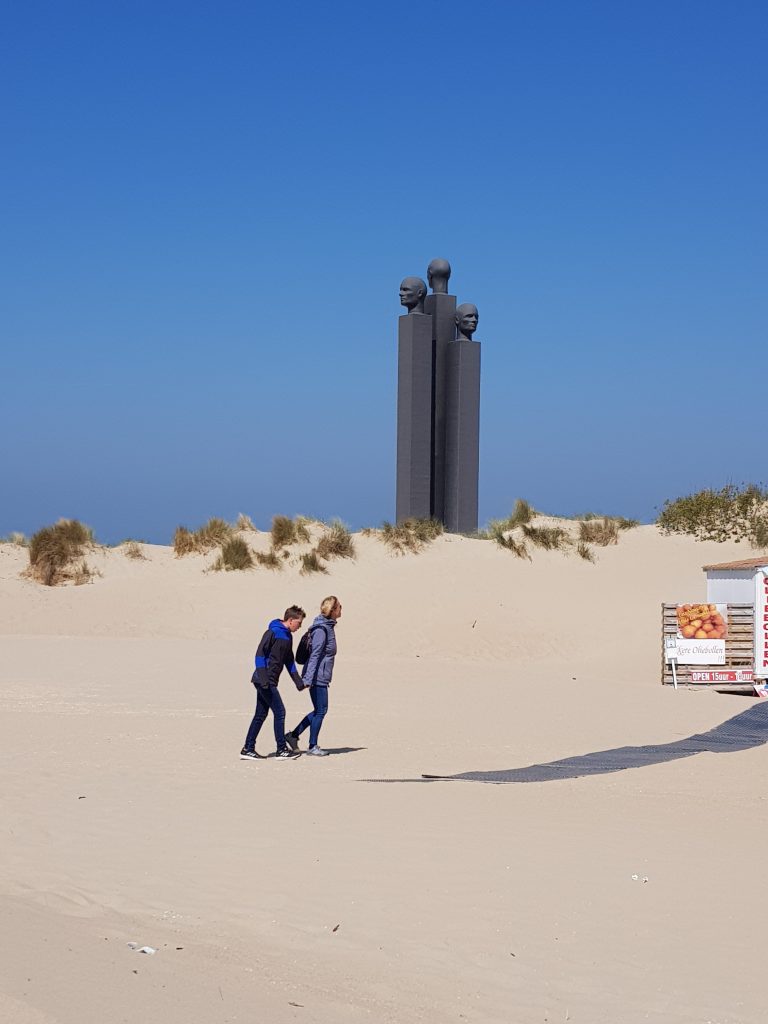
292,741
285,753
249,755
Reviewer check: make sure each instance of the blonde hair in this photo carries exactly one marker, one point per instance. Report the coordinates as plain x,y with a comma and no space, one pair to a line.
327,605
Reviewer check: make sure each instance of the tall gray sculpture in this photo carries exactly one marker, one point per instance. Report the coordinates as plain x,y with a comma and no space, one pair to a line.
438,404
415,371
442,308
462,426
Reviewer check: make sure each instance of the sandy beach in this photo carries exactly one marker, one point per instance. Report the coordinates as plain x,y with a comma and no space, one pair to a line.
345,889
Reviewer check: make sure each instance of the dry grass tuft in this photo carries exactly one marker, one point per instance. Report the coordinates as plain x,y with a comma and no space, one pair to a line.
245,524
132,550
599,531
214,533
53,551
184,542
507,541
310,562
412,535
551,538
336,542
268,559
235,556
286,531
522,513
584,551
83,573
15,538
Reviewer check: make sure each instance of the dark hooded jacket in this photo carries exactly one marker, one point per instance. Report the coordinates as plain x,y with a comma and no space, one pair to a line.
274,653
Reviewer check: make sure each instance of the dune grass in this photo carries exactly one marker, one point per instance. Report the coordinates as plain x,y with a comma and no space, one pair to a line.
412,535
583,550
212,534
54,552
268,559
509,543
235,556
599,531
286,531
132,550
17,539
310,563
336,542
550,538
245,524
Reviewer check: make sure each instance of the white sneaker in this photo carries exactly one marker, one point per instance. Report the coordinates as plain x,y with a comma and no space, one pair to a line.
317,752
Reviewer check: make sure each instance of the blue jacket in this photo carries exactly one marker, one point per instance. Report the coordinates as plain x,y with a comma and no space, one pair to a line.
274,653
318,669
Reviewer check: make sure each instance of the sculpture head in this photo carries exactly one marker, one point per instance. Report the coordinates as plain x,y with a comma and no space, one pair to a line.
438,273
466,320
412,294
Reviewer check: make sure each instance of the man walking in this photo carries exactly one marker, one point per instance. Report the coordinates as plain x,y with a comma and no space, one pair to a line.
274,653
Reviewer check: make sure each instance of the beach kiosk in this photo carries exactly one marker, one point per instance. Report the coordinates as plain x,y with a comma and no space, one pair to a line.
722,641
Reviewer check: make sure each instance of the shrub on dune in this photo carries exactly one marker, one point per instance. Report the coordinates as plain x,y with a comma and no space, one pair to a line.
54,550
732,513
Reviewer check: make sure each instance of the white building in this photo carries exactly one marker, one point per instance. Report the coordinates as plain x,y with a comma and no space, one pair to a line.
733,582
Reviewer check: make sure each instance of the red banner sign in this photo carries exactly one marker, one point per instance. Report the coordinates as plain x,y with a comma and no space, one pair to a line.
761,623
735,675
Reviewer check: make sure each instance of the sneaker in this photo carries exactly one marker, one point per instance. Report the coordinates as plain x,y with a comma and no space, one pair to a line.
287,753
317,752
292,741
249,755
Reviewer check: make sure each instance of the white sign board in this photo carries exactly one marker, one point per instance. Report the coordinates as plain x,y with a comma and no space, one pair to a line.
670,648
761,623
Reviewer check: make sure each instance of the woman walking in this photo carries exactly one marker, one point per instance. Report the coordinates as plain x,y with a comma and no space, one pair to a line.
317,674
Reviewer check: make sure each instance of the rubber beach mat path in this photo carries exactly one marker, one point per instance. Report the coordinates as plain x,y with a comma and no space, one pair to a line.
742,732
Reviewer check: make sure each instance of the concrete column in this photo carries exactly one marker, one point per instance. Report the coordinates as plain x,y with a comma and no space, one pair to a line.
462,435
415,370
442,308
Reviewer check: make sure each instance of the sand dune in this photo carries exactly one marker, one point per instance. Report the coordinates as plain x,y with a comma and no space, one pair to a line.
128,817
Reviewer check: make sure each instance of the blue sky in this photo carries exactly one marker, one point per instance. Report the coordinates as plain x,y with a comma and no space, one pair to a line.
207,210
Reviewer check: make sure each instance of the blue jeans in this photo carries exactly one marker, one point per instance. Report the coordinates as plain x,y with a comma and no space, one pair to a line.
267,699
314,719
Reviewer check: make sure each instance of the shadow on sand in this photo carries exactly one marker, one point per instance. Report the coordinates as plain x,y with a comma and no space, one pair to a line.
743,731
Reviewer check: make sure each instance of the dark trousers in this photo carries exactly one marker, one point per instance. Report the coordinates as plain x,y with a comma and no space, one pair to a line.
267,699
314,719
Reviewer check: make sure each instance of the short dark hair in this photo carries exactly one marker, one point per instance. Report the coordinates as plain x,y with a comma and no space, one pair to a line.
294,612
